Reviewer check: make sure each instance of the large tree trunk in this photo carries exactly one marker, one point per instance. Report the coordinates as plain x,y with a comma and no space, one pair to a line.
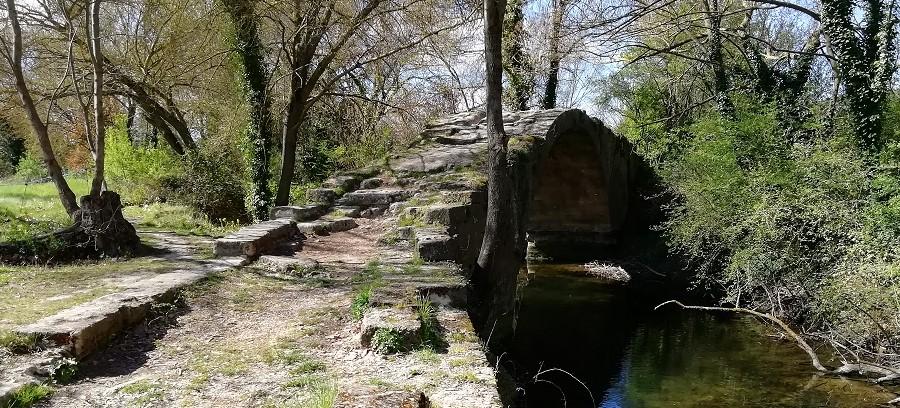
66,196
99,127
250,52
720,76
515,59
559,9
497,266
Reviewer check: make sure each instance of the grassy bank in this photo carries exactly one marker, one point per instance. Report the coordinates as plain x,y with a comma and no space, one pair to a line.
27,210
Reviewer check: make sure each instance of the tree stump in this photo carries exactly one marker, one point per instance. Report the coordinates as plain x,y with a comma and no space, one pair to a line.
100,219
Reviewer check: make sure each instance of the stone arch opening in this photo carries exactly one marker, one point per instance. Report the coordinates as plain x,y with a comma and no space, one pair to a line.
580,190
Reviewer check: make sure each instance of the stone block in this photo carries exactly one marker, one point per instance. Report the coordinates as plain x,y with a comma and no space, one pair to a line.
446,214
298,213
371,183
286,264
475,197
254,240
313,227
436,246
372,212
348,210
402,321
322,195
375,197
340,224
343,182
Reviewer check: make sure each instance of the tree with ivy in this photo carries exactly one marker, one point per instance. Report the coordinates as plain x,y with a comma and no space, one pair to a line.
516,64
866,55
250,52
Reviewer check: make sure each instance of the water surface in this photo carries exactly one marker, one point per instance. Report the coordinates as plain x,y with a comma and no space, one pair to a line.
606,335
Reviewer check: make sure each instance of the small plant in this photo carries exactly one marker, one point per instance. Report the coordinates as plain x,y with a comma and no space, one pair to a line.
361,302
18,343
371,274
387,341
430,328
324,395
64,370
28,395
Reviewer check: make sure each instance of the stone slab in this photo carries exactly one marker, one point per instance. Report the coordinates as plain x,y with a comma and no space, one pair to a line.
400,320
86,327
299,213
318,227
379,197
322,195
446,214
371,183
435,246
254,240
343,182
340,224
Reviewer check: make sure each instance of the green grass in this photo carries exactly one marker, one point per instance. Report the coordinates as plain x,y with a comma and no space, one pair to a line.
18,343
27,210
387,341
180,219
360,302
29,395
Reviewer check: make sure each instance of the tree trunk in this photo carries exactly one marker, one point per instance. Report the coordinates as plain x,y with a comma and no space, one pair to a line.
99,126
66,196
515,59
720,77
555,57
130,114
250,51
293,119
497,267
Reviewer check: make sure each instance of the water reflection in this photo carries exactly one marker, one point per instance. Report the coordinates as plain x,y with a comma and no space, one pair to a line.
625,355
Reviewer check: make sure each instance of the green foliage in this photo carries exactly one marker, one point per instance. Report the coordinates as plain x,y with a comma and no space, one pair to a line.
810,230
360,302
29,395
12,149
64,371
30,169
18,343
387,341
139,172
430,329
210,185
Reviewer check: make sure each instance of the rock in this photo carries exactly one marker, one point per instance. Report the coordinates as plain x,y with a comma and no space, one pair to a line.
343,182
340,224
313,227
375,197
299,213
286,264
475,197
322,195
390,399
406,233
395,208
348,210
372,212
435,246
446,214
254,240
371,183
400,321
439,158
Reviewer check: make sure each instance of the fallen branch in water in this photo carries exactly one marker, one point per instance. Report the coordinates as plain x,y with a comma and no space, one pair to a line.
861,368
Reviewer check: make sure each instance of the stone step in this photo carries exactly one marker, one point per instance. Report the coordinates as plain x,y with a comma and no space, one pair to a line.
436,246
400,322
371,183
322,195
374,197
299,213
85,328
446,214
324,226
254,240
342,182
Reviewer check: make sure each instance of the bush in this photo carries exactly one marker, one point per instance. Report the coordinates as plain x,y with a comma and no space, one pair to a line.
808,230
31,170
138,172
210,185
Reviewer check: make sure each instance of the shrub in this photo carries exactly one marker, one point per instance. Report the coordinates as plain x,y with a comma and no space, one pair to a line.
138,172
30,169
211,185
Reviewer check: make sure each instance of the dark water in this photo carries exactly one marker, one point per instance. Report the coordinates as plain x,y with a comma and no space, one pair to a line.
607,336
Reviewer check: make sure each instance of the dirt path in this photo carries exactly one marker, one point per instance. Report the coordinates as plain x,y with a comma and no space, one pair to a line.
245,339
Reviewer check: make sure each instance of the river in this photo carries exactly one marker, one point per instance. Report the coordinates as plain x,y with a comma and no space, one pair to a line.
600,344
